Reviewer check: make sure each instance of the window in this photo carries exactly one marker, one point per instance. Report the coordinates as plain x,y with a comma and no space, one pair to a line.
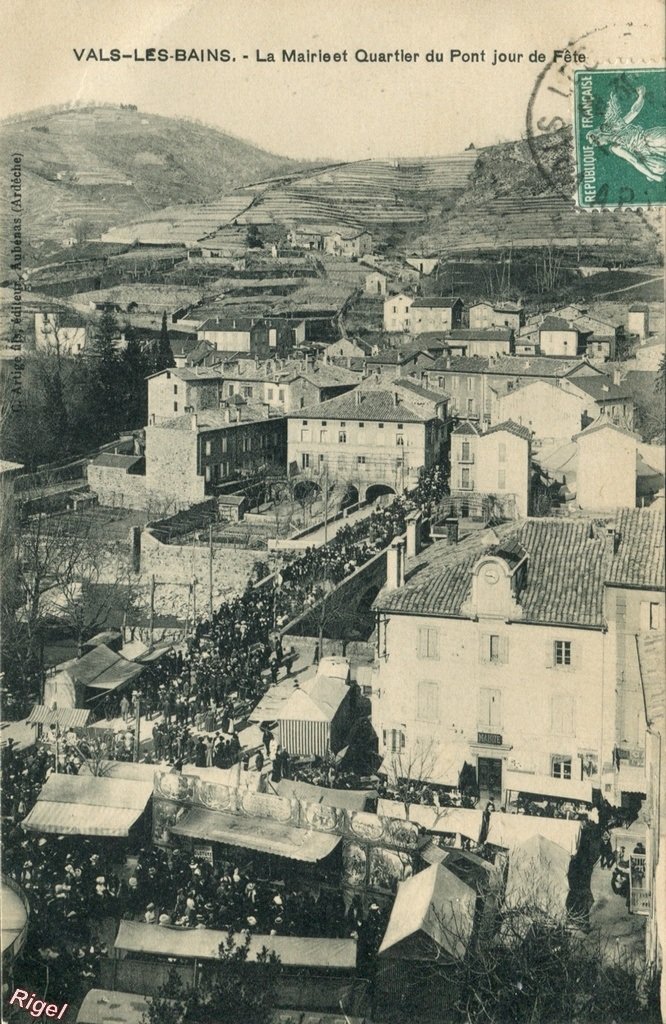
343,423
501,479
562,652
208,448
247,391
501,454
562,714
305,435
175,389
465,451
175,406
490,708
281,395
269,394
230,390
322,458
470,405
305,423
324,423
561,766
323,436
400,426
399,440
224,443
361,424
342,437
428,701
394,739
361,460
305,460
428,642
381,426
651,615
465,482
494,647
168,375
470,383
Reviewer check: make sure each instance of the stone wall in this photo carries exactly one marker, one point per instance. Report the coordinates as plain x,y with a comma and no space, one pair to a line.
119,489
181,563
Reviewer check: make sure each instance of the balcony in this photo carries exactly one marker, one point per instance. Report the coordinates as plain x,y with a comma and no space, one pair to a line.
466,459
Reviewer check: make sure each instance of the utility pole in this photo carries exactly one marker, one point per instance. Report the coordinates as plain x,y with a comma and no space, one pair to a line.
137,728
325,503
210,569
152,610
194,602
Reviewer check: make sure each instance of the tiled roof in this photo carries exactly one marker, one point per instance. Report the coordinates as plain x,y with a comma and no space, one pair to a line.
228,324
366,404
556,323
464,364
568,564
434,302
509,426
117,461
184,373
418,389
602,388
604,423
639,561
481,334
467,428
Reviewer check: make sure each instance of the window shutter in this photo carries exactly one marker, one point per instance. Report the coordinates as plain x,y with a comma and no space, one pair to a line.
645,616
484,648
550,654
504,650
576,654
384,737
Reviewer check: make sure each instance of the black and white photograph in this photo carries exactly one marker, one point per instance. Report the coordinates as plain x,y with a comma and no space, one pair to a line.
332,493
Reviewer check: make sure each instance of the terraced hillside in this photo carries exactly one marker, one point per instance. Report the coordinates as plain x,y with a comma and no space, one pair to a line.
110,166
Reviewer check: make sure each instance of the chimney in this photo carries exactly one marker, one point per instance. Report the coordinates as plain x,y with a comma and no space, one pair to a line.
227,415
612,539
396,398
414,523
395,565
617,377
194,421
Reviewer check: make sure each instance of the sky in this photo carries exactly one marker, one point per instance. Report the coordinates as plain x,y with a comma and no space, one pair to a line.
339,111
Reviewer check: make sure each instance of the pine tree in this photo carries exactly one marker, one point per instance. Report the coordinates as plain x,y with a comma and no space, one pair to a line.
163,358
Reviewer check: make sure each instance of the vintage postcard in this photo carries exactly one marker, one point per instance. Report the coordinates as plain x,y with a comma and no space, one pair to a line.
332,486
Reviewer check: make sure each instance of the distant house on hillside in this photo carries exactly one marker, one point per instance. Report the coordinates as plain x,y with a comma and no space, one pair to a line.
424,264
397,312
64,332
375,283
559,337
638,321
348,242
435,313
481,342
484,315
255,336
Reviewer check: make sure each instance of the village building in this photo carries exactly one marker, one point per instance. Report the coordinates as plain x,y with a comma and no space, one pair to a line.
424,264
558,337
485,315
650,354
397,315
181,390
375,283
403,362
286,384
505,653
495,465
435,313
638,321
347,348
603,396
62,332
550,413
256,337
469,380
379,437
348,242
484,342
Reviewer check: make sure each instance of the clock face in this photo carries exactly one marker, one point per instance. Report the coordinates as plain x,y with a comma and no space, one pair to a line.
491,574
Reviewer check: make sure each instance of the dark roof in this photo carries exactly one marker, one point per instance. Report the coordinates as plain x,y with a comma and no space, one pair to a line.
481,334
639,307
639,561
418,389
236,323
371,404
117,461
556,323
478,364
467,428
602,389
435,302
512,428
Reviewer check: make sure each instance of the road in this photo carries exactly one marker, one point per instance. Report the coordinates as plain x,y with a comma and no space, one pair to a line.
317,536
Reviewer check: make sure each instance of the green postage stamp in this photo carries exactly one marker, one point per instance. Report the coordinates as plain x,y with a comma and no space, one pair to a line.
620,137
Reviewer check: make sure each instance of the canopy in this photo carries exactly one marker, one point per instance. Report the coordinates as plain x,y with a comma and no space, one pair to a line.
263,834
546,785
433,905
14,919
538,877
440,820
349,799
204,943
87,805
509,830
66,718
268,708
315,700
103,1006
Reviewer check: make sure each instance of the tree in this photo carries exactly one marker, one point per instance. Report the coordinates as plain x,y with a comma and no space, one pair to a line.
163,353
234,990
660,383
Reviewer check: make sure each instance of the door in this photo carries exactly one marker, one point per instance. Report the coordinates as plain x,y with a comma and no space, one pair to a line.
490,776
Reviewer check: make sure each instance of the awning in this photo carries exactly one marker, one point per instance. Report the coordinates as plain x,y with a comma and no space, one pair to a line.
204,944
66,718
263,834
440,820
80,820
103,1006
510,830
88,805
349,799
546,785
538,877
120,674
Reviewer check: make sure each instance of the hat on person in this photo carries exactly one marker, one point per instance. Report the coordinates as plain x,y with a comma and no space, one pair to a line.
164,919
277,900
151,906
251,920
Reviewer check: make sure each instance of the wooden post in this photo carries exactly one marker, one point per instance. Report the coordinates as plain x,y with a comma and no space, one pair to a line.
210,569
152,610
137,729
325,503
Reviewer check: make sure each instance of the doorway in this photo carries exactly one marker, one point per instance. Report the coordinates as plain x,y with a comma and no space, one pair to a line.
490,777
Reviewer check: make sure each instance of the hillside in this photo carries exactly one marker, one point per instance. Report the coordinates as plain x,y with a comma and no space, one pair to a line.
111,165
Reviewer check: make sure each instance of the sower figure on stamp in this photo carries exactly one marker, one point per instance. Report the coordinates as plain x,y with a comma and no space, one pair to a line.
643,148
